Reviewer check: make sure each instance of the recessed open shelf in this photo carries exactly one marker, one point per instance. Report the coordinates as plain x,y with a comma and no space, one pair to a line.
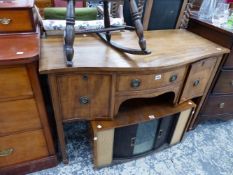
141,110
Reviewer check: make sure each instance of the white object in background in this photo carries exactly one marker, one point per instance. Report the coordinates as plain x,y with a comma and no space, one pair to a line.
207,8
220,14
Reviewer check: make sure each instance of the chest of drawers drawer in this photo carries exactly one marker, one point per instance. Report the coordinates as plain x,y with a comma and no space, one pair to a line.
19,20
132,82
19,115
198,78
14,82
229,61
218,105
224,83
22,147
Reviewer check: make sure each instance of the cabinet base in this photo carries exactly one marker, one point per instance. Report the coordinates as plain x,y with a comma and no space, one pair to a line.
30,166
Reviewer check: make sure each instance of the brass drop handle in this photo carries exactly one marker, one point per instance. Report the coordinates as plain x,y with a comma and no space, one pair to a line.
135,83
221,105
5,21
173,78
196,83
84,100
6,152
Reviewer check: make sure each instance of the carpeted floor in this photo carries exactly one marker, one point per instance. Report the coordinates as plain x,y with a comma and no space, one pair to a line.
207,150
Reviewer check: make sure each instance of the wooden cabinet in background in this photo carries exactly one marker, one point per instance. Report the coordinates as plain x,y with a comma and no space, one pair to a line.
26,143
218,103
17,16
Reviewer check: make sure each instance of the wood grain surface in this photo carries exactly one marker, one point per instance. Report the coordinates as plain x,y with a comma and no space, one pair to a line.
170,48
14,82
18,115
26,146
18,48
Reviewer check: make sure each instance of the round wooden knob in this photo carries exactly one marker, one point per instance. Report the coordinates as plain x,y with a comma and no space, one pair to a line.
135,83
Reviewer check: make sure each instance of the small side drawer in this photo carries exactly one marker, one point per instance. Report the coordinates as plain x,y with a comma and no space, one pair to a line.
22,147
131,82
218,105
198,78
14,82
19,115
224,83
19,20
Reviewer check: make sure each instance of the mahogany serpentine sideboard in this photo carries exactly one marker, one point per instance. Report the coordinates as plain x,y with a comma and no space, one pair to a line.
101,79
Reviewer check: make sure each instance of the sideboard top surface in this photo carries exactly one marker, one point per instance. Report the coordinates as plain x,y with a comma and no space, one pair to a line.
170,48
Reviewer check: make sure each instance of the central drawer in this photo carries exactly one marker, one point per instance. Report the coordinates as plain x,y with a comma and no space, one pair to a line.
135,82
22,147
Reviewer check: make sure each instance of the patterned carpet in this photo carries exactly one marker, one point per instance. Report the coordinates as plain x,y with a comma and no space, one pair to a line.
207,150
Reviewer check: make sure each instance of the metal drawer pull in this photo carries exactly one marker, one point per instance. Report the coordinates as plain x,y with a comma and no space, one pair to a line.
84,100
231,82
135,83
221,105
133,141
6,152
173,78
5,21
196,83
160,133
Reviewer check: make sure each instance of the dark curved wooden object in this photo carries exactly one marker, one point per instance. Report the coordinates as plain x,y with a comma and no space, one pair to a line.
136,17
69,32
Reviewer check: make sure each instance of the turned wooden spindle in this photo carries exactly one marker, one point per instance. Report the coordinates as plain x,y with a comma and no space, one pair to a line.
140,7
107,20
138,24
105,33
69,32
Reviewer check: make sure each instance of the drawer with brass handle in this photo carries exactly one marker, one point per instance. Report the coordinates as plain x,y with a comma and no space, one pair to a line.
5,21
19,20
22,147
198,78
88,96
218,105
131,82
6,152
224,84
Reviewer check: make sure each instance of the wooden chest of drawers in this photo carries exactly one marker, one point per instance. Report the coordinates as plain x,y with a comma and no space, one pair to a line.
102,79
218,104
26,143
17,16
